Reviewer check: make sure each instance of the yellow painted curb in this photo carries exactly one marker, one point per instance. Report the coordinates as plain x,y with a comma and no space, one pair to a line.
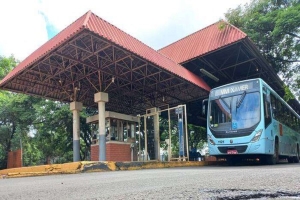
42,170
92,166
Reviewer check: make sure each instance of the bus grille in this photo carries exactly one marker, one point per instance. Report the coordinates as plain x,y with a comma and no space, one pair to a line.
240,149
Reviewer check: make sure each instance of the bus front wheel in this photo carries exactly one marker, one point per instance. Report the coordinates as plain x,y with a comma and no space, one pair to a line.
296,158
273,159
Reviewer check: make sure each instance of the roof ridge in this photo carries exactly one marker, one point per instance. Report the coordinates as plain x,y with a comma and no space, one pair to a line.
87,17
245,34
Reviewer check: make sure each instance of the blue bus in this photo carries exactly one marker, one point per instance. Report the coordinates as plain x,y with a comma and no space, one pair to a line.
248,119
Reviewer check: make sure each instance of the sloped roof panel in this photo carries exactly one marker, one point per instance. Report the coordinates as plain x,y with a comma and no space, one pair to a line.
211,38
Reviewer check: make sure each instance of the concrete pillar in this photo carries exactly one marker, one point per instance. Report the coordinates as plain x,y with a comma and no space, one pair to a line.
146,139
156,136
101,98
76,107
155,113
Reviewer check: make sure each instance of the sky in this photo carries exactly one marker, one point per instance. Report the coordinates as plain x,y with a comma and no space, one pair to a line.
27,24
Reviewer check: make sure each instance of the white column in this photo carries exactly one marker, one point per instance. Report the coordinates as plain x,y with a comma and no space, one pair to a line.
156,136
101,98
76,107
155,113
146,139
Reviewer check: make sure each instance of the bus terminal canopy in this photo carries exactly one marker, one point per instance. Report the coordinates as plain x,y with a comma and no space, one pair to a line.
91,56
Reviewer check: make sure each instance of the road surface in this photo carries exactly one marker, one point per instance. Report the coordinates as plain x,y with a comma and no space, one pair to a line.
210,182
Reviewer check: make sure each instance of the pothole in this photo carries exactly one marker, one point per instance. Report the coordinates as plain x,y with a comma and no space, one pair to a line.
238,194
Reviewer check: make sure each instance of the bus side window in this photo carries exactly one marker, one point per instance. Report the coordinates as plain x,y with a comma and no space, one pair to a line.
267,111
274,107
294,122
287,116
280,112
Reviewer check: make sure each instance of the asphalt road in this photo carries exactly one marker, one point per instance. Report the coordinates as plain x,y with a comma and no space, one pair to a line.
211,182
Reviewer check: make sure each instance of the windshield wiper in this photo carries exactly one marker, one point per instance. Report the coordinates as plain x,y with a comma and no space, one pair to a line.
240,101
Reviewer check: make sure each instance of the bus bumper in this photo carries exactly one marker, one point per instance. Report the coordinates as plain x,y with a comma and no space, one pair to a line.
242,149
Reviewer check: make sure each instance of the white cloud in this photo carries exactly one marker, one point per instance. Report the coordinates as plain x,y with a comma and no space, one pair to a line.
22,28
156,22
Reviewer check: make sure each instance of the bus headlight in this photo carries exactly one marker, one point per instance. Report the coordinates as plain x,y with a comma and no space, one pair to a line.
257,135
210,140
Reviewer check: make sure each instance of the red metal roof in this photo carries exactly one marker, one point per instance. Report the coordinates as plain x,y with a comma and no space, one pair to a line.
93,23
203,41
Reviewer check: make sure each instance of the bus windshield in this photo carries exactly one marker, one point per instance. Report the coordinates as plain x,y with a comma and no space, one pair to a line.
235,112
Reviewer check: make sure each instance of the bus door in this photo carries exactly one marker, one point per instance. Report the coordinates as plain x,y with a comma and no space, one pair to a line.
267,115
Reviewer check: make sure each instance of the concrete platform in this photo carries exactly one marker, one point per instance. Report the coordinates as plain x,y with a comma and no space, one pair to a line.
89,166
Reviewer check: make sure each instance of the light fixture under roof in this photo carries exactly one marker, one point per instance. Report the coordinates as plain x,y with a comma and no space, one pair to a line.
203,71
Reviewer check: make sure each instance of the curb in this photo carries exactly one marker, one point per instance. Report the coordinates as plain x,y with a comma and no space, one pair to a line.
90,166
67,168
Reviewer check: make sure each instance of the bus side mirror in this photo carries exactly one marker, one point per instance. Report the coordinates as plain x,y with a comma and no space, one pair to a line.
204,106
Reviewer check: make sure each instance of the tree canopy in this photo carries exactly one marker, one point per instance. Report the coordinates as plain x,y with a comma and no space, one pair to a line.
274,26
6,65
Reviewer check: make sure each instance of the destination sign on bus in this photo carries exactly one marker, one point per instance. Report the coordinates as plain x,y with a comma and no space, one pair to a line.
234,88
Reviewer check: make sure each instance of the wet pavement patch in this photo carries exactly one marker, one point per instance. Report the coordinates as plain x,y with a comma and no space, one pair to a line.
96,167
237,194
129,165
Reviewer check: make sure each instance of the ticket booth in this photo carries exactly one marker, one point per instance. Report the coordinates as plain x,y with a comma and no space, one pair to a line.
121,137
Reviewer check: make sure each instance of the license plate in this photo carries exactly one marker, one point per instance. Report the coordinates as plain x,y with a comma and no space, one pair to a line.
232,151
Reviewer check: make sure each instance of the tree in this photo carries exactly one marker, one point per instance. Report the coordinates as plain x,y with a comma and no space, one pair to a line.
6,65
15,113
197,136
16,116
54,131
274,26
